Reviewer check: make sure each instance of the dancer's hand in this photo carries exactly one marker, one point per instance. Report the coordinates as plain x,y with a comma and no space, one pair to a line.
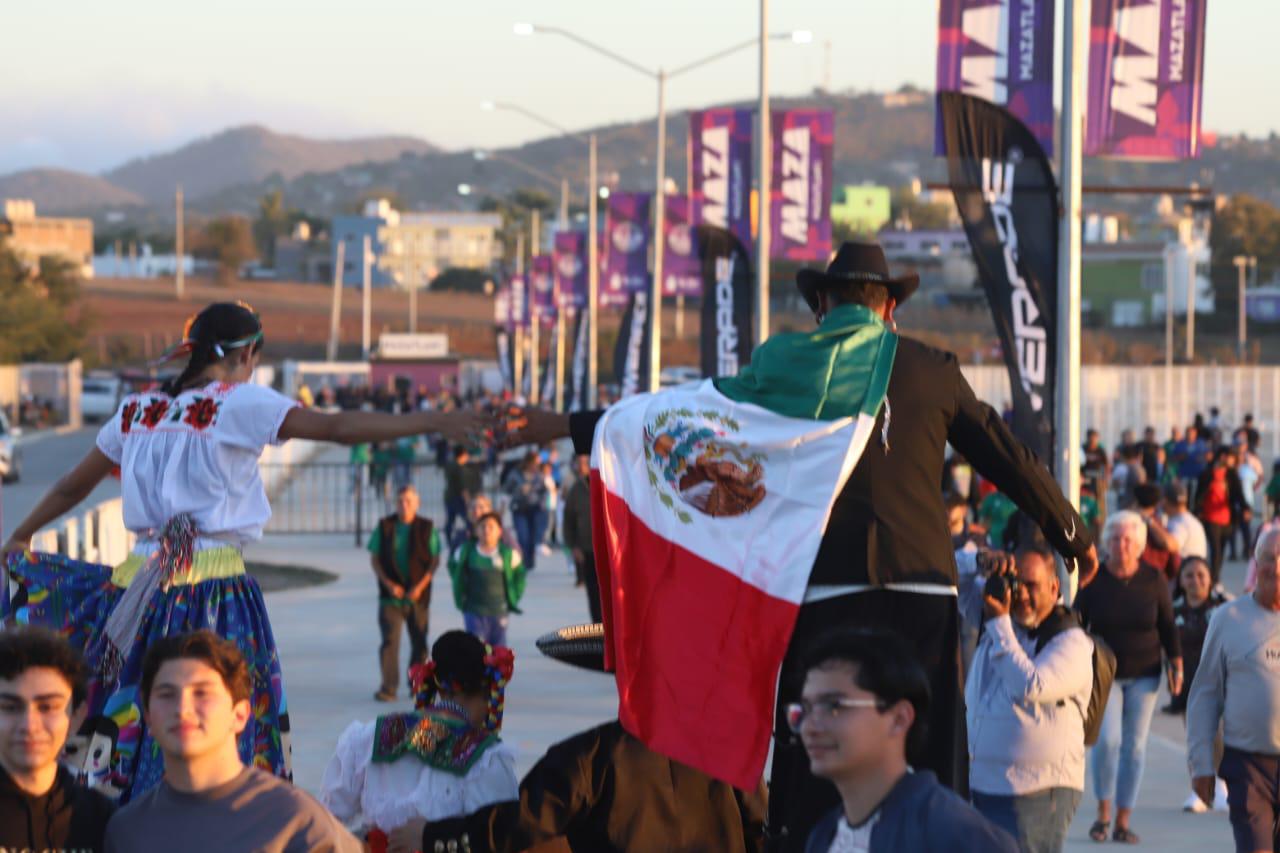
461,426
16,546
529,425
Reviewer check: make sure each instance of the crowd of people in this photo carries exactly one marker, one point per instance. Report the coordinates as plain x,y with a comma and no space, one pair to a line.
937,693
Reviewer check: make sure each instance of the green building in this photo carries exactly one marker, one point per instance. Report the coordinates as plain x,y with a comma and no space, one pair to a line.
865,208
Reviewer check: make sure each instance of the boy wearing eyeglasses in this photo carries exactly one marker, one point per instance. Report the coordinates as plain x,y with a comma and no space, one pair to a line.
861,718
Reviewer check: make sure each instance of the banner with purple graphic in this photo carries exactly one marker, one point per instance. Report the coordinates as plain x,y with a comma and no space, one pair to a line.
800,207
628,229
720,142
542,288
1000,51
518,305
1146,78
570,257
681,266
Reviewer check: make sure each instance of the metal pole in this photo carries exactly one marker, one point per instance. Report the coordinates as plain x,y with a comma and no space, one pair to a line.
659,218
534,359
563,222
679,316
335,309
179,279
593,277
413,304
1067,427
765,184
533,233
1191,305
517,371
1241,263
366,263
1170,415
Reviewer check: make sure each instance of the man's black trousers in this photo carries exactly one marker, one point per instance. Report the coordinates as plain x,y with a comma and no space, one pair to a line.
392,618
930,625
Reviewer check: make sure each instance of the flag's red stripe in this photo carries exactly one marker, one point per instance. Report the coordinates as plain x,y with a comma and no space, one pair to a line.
696,649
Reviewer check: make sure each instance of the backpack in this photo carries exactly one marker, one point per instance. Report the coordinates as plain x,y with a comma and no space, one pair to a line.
1104,668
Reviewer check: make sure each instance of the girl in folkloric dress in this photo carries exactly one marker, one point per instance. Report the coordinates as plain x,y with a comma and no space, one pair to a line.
188,459
443,760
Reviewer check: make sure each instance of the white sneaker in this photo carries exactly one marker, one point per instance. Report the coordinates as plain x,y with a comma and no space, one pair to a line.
1195,805
1220,796
544,550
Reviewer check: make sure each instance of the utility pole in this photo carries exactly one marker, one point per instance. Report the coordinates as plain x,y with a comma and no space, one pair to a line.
535,321
1242,263
593,277
366,263
335,309
179,279
659,240
766,179
1191,304
517,371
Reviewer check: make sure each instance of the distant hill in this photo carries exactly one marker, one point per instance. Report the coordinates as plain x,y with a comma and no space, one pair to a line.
58,191
251,154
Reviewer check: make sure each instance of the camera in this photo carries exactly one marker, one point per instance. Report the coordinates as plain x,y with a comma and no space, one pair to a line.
998,585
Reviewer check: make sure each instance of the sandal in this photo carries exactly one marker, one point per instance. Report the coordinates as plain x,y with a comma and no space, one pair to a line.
1098,832
1124,835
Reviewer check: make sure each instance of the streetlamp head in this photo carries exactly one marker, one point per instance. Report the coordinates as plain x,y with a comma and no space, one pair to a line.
604,192
802,36
523,28
464,189
488,106
480,154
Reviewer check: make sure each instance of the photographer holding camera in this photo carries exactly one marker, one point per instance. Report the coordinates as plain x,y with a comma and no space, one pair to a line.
1027,695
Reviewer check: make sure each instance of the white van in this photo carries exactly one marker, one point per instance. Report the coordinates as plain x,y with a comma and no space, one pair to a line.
99,397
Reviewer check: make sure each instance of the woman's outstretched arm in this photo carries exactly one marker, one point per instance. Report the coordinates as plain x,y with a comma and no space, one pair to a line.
65,495
359,427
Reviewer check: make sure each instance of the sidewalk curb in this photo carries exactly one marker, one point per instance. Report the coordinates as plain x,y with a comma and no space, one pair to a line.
29,438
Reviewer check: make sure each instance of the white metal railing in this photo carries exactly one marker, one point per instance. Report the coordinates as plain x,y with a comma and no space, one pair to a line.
98,534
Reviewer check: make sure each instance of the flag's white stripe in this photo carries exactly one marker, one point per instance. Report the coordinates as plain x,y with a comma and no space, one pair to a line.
773,546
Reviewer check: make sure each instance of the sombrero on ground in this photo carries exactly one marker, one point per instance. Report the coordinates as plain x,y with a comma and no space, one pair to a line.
577,645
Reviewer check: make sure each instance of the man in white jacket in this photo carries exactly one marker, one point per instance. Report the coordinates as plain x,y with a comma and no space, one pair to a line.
1027,694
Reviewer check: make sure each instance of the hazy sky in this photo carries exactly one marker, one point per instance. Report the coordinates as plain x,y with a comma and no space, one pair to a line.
89,84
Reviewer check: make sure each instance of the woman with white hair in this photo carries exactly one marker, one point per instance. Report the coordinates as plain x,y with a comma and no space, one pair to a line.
1128,606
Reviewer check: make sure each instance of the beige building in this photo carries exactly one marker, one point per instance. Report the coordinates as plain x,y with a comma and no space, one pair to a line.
33,237
422,245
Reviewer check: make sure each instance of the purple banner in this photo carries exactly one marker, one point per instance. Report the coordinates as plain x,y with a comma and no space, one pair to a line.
720,170
570,256
628,229
681,266
518,311
1146,77
800,207
542,288
1000,51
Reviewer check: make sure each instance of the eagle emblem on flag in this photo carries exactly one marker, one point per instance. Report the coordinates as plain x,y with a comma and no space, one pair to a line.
692,460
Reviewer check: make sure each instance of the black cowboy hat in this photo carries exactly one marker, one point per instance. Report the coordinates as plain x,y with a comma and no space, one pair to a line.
856,262
578,645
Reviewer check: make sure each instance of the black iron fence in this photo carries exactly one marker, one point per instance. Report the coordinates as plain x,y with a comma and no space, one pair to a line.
337,497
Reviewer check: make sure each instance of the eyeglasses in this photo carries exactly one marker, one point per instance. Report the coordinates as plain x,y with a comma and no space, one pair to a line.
823,710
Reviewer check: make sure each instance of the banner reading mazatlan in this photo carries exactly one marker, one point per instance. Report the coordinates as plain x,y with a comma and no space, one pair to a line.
1000,51
1008,200
627,266
542,289
720,143
726,333
1146,78
800,209
570,259
681,268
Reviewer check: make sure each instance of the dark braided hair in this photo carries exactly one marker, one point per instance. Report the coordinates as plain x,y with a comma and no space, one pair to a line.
205,335
459,659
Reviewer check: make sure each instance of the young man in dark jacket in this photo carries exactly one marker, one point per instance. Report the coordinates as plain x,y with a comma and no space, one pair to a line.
861,714
42,685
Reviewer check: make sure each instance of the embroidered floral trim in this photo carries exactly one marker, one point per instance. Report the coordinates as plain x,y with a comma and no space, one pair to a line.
438,737
199,413
154,413
126,417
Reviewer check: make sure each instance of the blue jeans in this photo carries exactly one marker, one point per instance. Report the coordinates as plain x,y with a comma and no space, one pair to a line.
1038,821
489,629
1121,750
529,527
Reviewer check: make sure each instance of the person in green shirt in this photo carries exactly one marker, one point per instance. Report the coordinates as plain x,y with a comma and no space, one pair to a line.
995,511
488,581
404,552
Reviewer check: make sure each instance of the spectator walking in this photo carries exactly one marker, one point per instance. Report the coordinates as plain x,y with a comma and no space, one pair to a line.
1219,502
1027,695
195,693
1238,687
1188,455
1249,471
1162,551
1273,489
528,493
1186,530
552,490
577,533
488,581
1095,469
43,682
861,718
1127,476
404,553
442,760
463,480
1195,602
1148,447
1128,606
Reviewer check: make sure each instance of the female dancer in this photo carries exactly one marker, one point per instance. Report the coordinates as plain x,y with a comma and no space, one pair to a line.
188,459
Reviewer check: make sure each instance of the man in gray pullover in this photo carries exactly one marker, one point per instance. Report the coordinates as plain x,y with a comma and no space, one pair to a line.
1238,683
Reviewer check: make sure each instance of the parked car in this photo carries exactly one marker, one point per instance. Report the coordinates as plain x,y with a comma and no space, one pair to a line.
679,375
99,397
10,453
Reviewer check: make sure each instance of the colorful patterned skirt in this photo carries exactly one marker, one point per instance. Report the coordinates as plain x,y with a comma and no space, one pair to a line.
113,751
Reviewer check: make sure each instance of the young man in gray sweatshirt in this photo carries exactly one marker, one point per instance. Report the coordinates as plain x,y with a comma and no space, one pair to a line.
1238,683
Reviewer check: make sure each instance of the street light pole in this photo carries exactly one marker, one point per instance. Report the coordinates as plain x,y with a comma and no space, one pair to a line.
593,278
1242,264
659,239
766,185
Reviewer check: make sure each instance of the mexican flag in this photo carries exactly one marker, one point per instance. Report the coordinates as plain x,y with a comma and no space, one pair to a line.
709,501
